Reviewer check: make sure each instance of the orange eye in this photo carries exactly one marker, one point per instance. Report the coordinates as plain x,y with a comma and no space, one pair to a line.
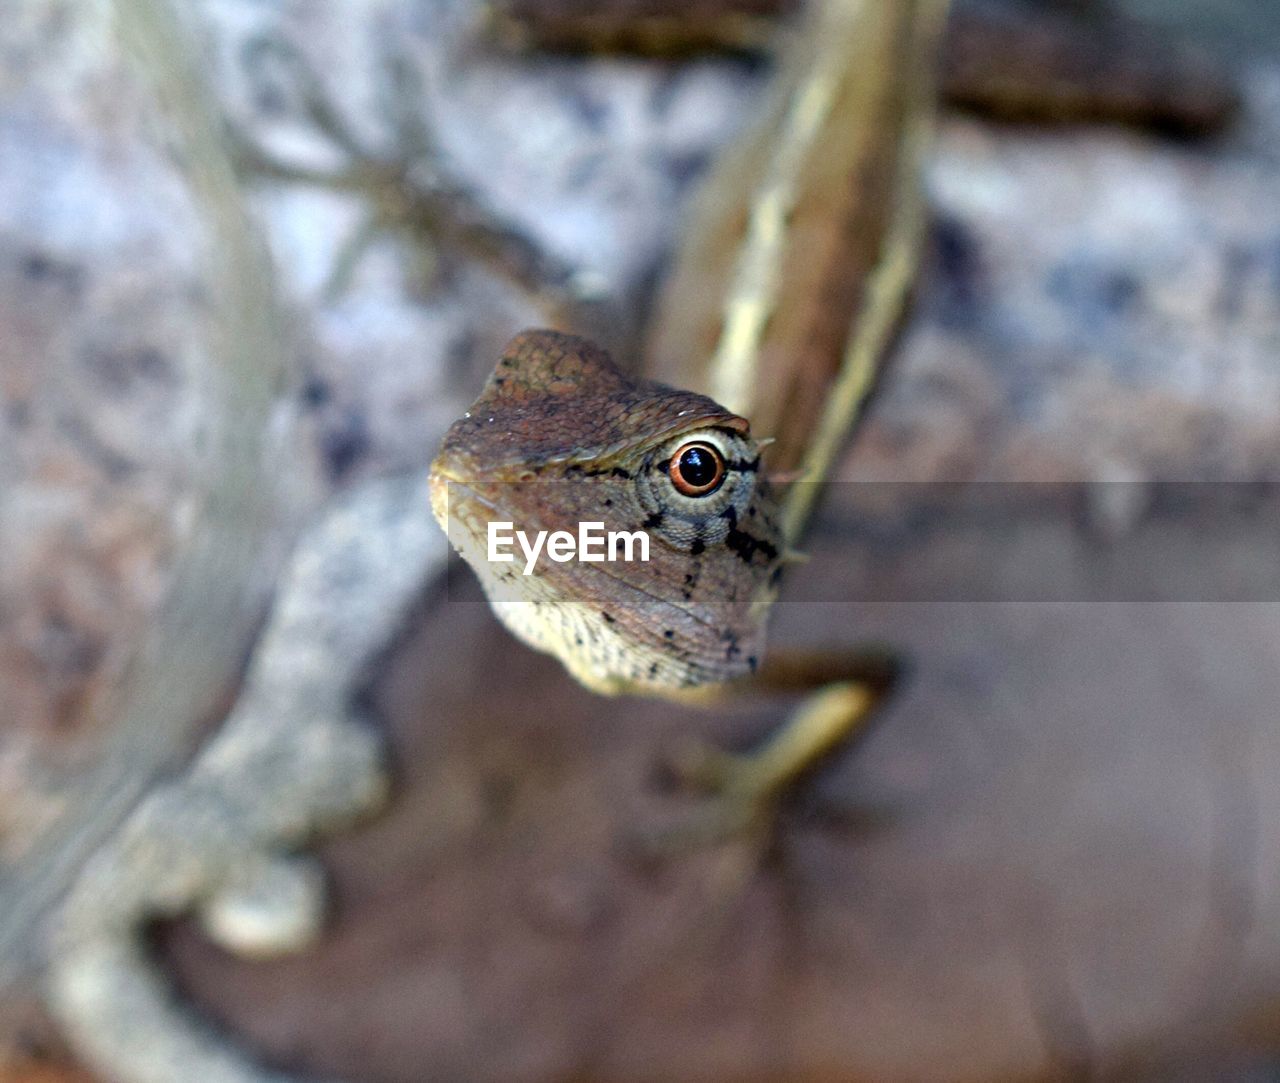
696,469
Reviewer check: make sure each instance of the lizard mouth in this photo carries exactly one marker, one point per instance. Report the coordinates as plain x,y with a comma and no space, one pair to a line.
456,500
450,467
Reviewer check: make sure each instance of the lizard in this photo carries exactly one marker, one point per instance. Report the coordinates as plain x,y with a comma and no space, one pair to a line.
210,842
828,184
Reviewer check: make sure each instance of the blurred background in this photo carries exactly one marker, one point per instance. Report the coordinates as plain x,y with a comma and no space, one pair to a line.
1052,858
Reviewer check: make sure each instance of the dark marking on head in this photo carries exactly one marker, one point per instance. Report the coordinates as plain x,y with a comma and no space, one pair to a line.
747,545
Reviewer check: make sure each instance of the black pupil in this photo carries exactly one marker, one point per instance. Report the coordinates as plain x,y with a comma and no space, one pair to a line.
698,467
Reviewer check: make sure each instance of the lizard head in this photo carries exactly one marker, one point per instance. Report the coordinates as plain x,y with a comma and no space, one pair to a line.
560,436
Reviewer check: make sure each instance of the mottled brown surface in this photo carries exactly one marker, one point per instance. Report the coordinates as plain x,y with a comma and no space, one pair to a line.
1028,62
650,26
1021,59
41,1072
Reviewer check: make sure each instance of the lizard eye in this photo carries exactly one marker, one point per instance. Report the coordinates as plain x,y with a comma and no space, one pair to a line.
697,469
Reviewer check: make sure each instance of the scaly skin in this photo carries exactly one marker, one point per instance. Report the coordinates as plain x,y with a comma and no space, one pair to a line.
559,436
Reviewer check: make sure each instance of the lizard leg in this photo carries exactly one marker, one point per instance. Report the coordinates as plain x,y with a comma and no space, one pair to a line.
742,791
